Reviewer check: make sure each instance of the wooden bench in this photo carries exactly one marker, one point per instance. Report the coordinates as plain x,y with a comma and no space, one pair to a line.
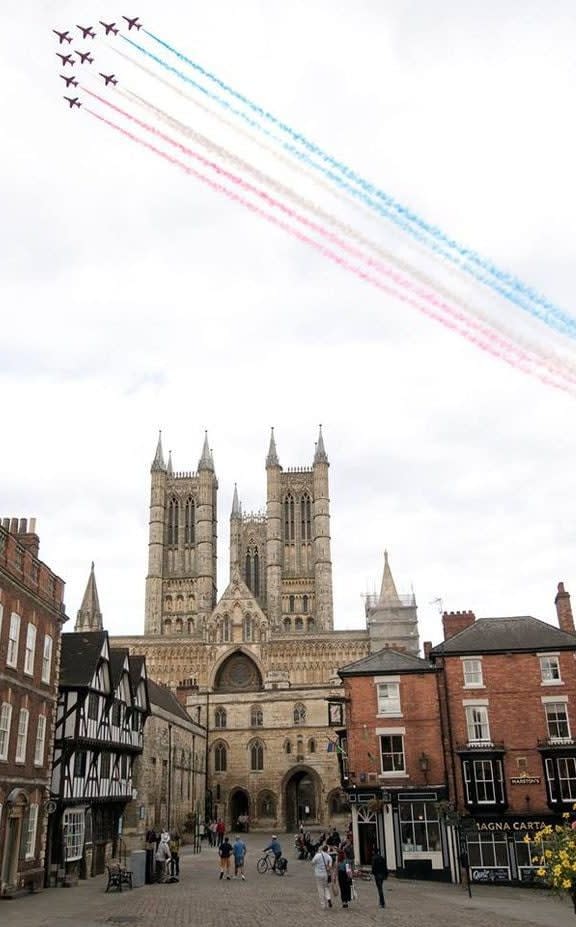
117,877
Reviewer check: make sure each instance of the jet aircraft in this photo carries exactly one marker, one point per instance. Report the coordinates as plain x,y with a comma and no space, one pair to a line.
66,59
84,57
70,81
73,101
109,27
63,36
87,31
109,78
132,23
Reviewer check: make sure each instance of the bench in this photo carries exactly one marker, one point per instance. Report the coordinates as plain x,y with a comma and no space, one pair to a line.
117,877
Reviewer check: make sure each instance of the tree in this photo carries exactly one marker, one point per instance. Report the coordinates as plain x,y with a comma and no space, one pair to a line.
555,855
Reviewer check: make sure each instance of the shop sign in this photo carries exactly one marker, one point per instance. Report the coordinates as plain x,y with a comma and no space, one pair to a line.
498,874
510,825
525,780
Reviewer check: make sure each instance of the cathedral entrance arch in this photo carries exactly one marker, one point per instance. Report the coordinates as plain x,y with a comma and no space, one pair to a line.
237,673
239,807
301,798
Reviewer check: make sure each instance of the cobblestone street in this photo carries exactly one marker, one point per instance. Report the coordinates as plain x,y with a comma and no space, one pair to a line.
201,899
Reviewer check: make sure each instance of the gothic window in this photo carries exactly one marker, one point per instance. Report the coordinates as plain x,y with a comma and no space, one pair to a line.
253,570
299,714
256,755
248,628
178,626
168,626
299,624
220,758
300,749
288,747
190,625
226,629
311,745
305,604
173,523
256,716
266,805
287,624
190,521
220,717
288,517
310,624
291,604
306,517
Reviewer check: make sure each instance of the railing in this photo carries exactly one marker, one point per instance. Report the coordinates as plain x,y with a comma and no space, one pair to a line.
480,746
374,601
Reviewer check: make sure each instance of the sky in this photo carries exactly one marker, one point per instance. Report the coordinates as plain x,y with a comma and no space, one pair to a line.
134,299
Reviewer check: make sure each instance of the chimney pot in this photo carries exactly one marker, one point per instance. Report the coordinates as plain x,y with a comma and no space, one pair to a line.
564,609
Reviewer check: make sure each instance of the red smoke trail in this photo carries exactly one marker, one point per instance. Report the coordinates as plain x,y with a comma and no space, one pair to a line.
488,343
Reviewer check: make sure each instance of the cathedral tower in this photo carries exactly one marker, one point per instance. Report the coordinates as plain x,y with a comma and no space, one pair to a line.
89,617
392,619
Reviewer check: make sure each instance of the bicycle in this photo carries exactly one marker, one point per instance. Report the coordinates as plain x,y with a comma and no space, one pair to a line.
268,861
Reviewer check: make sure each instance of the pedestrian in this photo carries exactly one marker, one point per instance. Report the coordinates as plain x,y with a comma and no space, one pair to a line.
380,873
213,835
344,871
333,839
322,863
162,858
220,831
225,852
348,848
174,847
274,845
239,851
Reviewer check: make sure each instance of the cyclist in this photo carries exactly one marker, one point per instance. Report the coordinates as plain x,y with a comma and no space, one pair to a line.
276,849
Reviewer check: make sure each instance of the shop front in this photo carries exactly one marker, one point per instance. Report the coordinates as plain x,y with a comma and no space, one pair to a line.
497,851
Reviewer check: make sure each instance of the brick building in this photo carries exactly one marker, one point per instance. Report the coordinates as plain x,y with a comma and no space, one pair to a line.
507,691
31,617
393,763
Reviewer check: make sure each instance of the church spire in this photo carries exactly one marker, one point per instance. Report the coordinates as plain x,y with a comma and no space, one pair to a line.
320,455
89,617
206,461
272,456
158,462
169,469
236,509
388,593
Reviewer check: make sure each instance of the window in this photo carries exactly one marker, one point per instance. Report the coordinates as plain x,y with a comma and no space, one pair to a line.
299,714
256,716
115,713
253,570
299,624
557,721
291,601
472,670
73,829
93,701
477,724
47,659
419,826
220,718
312,746
289,518
561,778
30,649
189,522
483,781
105,765
288,747
305,604
123,766
225,630
22,738
488,850
306,517
173,523
220,758
13,636
550,669
392,753
5,721
30,832
80,764
40,740
389,698
256,756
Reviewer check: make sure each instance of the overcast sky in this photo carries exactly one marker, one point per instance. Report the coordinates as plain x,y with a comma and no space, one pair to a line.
132,299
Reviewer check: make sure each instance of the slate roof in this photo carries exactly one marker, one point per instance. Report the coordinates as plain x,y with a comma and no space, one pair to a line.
117,658
79,657
387,661
136,663
504,635
165,699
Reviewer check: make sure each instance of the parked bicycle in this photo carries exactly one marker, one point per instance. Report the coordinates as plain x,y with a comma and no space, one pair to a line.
268,861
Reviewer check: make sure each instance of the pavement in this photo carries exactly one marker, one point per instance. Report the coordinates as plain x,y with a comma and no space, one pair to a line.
200,898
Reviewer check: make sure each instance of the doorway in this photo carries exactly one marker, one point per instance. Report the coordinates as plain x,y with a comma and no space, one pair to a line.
11,849
301,799
239,808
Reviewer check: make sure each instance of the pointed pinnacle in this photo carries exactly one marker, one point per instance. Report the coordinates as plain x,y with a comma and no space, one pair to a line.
89,617
320,455
206,461
272,456
170,469
236,510
158,462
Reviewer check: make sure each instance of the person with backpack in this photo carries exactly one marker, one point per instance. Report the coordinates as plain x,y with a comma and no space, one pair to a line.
380,873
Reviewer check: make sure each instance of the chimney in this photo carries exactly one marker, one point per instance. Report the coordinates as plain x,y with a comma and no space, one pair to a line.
564,609
453,622
427,649
184,689
25,530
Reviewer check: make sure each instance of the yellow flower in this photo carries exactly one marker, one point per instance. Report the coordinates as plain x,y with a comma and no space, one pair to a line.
566,814
548,854
540,872
567,883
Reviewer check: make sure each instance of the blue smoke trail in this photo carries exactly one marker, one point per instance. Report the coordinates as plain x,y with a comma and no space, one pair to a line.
473,256
555,319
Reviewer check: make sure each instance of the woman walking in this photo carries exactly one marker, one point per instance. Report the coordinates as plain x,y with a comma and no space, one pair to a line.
322,863
344,878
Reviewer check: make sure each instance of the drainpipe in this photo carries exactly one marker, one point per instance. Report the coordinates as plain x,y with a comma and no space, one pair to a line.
169,777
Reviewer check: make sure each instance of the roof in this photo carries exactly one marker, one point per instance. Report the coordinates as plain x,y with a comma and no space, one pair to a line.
79,657
163,698
118,657
387,661
503,635
136,663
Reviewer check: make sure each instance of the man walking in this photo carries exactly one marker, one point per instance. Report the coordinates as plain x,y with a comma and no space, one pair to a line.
322,863
239,851
380,873
225,853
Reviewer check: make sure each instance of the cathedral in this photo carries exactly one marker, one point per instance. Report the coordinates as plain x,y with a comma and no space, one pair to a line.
258,664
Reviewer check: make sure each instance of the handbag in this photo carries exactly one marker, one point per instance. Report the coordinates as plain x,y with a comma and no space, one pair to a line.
328,873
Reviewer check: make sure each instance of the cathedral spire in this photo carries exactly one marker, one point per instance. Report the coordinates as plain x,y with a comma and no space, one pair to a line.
169,468
236,509
89,617
388,593
320,455
158,462
206,461
272,457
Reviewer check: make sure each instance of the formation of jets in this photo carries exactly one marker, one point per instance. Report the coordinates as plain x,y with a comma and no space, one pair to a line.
88,32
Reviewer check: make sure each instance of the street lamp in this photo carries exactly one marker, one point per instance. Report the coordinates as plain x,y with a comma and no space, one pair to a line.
424,764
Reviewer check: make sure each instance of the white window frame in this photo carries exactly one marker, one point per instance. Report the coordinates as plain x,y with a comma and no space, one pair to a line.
547,662
47,658
31,827
562,764
394,707
387,773
473,723
13,640
39,747
473,677
22,736
30,650
1,616
548,702
5,727
74,827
